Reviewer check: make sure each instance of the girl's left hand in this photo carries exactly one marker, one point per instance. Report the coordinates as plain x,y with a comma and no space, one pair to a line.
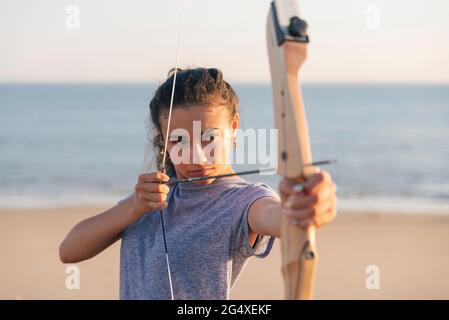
315,204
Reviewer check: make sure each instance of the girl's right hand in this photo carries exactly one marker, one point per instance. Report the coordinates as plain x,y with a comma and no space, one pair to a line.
150,192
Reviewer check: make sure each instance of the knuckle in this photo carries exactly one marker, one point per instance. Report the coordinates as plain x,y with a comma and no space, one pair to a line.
320,176
331,216
299,203
325,175
332,188
160,176
145,197
283,186
321,196
162,205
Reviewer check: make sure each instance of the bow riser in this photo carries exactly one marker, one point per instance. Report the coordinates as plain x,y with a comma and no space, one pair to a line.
287,54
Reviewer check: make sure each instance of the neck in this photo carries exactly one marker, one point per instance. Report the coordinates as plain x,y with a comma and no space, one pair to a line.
225,169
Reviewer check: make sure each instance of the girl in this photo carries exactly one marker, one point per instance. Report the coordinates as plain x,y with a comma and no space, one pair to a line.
212,226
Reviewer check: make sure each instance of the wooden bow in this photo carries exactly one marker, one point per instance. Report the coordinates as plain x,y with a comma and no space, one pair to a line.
287,41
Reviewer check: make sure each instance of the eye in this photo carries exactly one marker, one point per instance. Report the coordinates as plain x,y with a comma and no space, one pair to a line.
178,140
181,140
210,137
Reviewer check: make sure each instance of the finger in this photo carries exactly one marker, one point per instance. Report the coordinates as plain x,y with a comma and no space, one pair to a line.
309,213
159,205
153,197
318,220
325,207
152,187
298,202
312,212
325,218
317,181
326,195
153,177
288,187
285,187
325,213
306,223
302,223
299,214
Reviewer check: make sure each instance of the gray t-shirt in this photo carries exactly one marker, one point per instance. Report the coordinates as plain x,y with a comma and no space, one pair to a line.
207,238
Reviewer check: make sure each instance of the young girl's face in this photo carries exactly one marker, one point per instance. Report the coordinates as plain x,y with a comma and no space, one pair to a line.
200,140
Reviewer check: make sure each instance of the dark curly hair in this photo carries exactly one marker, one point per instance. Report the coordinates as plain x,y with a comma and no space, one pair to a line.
196,86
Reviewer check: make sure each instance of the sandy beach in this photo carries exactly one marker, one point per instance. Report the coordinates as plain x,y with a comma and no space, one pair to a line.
411,252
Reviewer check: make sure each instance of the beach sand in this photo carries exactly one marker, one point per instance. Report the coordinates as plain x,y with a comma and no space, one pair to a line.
411,252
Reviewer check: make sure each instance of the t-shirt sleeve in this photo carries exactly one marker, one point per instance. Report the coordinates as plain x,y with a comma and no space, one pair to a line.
126,198
119,202
241,244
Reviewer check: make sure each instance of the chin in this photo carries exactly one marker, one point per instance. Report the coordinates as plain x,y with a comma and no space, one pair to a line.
204,182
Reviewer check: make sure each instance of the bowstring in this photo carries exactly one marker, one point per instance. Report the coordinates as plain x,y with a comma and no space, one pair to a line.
164,157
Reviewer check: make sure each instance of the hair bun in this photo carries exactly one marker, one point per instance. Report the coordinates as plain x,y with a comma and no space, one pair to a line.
216,74
172,71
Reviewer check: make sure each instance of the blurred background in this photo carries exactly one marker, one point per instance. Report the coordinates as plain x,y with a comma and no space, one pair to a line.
76,78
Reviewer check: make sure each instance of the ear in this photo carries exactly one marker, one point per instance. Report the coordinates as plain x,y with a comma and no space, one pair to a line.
235,121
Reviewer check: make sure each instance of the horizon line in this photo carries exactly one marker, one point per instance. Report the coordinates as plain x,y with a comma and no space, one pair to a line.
236,83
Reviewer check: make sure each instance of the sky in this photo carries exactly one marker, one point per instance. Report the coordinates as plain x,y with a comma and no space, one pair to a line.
367,41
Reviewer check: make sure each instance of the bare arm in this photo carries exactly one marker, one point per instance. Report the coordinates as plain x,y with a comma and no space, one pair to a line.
91,236
313,205
264,218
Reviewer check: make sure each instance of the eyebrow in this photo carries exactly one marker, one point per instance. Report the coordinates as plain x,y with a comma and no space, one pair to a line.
176,137
210,129
202,132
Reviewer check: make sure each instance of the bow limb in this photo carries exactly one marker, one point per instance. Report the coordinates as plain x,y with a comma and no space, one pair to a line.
287,50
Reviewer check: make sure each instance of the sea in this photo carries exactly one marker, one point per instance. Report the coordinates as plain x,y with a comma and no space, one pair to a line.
84,144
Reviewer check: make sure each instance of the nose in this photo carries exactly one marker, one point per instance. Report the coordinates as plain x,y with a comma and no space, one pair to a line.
198,155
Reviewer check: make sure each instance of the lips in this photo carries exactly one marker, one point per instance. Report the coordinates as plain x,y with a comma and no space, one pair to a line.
199,172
